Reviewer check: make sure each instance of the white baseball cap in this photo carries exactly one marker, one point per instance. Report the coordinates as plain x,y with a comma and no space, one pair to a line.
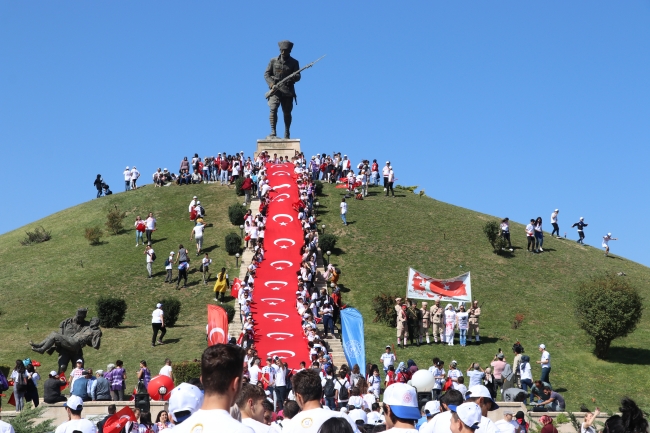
194,197
481,391
403,401
431,408
127,167
609,234
184,397
542,346
80,360
53,373
581,218
74,403
557,210
469,413
358,414
158,305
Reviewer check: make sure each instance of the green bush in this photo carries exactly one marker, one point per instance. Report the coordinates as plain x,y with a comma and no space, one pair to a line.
114,220
93,235
172,309
111,311
236,214
318,187
186,370
384,307
607,307
238,183
233,243
36,237
491,231
25,421
327,242
230,311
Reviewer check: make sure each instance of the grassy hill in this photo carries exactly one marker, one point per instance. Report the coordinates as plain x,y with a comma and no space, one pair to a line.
45,283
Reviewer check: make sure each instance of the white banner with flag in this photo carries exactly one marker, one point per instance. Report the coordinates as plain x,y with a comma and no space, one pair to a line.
420,286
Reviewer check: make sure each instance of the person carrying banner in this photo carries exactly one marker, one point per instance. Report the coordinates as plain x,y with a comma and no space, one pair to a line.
413,321
435,314
402,332
425,322
474,314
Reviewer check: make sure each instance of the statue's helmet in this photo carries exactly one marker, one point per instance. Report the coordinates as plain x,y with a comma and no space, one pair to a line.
81,312
94,322
285,45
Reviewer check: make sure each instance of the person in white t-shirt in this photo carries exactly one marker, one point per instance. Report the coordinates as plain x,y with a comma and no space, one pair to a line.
73,407
5,427
250,404
556,228
466,418
169,278
588,425
507,424
127,179
205,267
342,388
135,174
167,369
454,373
222,367
608,237
545,361
158,324
480,395
150,227
197,233
344,211
400,408
308,391
442,421
254,371
149,252
388,358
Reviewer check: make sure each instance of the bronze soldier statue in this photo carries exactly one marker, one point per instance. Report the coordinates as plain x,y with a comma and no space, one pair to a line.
413,316
436,315
284,95
474,314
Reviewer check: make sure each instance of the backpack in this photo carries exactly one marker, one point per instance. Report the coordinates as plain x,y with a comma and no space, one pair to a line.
202,210
166,262
329,388
343,392
4,385
153,257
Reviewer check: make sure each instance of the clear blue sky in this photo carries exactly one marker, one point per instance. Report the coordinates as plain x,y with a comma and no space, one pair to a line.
508,108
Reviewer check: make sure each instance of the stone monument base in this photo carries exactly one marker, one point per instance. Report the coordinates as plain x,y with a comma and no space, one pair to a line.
286,147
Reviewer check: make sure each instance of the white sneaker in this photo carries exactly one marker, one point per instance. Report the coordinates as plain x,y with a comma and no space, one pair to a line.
137,245
541,250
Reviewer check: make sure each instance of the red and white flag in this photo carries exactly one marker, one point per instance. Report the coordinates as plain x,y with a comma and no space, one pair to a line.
235,288
117,422
420,286
217,325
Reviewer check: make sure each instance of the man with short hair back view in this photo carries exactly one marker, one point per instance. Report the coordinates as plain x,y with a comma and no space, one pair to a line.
308,391
250,404
441,423
222,367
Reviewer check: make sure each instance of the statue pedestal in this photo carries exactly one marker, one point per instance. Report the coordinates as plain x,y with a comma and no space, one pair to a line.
280,146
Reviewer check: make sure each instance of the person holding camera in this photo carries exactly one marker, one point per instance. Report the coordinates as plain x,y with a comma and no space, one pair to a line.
498,364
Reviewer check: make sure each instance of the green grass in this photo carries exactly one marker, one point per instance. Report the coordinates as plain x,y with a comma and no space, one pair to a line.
46,283
387,236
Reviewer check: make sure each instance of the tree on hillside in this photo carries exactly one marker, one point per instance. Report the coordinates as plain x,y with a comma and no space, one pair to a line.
607,307
491,231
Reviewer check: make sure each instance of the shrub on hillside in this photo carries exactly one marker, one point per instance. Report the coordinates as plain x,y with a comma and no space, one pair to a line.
36,237
111,311
327,242
230,311
236,214
318,187
233,243
238,183
114,220
384,307
25,421
171,309
491,231
607,307
186,370
93,235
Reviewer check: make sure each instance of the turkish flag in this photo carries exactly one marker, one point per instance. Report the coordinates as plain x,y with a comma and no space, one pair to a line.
236,286
217,325
448,288
117,422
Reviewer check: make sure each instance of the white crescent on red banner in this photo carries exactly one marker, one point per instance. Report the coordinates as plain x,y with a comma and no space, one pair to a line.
420,286
217,325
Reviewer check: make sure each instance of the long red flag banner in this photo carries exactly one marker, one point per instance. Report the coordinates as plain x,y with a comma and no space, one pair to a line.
420,286
278,326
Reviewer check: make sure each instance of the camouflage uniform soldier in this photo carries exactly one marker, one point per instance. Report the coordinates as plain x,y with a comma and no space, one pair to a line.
474,314
278,68
402,333
413,321
425,322
436,315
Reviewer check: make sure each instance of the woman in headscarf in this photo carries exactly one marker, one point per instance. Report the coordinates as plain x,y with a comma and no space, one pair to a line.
403,375
412,366
450,323
547,422
221,285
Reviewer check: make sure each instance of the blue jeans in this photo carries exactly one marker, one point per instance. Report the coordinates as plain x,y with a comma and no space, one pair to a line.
328,324
206,174
545,374
343,218
127,185
99,193
463,337
223,178
539,237
138,237
329,402
527,384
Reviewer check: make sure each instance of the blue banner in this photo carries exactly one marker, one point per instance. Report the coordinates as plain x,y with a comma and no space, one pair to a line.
354,345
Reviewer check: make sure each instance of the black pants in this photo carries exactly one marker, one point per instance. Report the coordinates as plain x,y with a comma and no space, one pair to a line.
390,188
531,243
148,233
157,327
53,400
182,273
281,394
385,182
506,236
556,228
582,236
